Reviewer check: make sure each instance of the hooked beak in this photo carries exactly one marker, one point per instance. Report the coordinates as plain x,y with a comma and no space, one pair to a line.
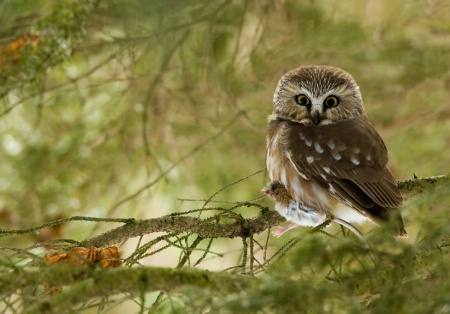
316,117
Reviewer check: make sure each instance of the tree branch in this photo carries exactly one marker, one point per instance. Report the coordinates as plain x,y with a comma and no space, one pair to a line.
87,283
416,186
205,228
211,228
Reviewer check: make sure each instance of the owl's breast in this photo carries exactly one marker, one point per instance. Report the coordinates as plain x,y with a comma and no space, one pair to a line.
283,170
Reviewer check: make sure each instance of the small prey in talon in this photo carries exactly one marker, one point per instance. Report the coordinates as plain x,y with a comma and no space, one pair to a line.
299,213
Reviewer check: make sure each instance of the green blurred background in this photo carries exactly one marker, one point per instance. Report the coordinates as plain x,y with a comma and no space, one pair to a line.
116,93
135,108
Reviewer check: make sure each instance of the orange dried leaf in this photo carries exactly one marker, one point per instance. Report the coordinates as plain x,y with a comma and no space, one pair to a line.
109,257
13,48
104,257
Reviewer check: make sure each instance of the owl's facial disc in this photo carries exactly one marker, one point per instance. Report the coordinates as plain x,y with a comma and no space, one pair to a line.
316,105
317,95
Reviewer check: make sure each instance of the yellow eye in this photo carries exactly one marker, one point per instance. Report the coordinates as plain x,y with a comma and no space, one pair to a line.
331,102
302,100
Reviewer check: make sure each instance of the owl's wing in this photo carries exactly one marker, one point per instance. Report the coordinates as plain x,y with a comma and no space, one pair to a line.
349,159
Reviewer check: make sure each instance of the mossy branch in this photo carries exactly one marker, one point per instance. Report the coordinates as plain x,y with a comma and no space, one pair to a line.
213,227
419,185
240,228
205,228
87,283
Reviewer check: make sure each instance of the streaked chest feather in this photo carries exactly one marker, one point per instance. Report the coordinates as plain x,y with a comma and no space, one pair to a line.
281,169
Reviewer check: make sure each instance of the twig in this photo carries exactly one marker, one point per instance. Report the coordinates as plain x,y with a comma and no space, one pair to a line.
412,187
176,164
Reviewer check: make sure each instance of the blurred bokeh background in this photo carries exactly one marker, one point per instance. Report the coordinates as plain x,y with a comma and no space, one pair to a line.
124,109
167,98
136,108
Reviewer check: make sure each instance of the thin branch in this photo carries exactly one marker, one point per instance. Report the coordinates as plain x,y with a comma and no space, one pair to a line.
176,164
231,184
6,232
165,62
416,186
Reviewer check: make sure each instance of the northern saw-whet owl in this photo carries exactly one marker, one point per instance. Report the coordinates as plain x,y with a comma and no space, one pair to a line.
323,156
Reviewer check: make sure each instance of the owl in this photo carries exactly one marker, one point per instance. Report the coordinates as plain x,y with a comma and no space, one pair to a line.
326,155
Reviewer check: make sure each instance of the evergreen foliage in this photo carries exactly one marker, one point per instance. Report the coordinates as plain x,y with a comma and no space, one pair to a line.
152,115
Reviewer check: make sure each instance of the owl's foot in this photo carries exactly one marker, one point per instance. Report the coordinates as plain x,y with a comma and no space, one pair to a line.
281,230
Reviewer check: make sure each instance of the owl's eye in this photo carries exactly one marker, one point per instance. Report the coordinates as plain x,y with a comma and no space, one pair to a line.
331,102
302,100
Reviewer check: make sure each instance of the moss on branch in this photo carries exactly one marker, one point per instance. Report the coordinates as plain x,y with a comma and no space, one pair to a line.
87,283
211,228
419,185
205,228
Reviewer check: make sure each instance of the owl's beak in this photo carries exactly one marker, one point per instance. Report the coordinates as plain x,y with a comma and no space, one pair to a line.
316,117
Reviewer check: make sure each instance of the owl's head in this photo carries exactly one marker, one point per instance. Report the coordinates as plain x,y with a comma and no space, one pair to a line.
317,95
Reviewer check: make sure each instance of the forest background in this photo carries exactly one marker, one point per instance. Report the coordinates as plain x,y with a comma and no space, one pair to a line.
127,110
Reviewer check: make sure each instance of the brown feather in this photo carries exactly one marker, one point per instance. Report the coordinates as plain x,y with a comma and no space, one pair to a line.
327,153
349,156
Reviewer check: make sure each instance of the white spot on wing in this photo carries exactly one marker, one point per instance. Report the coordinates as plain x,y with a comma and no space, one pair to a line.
302,137
302,175
318,148
355,160
327,170
308,142
310,159
331,144
356,150
336,155
368,157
